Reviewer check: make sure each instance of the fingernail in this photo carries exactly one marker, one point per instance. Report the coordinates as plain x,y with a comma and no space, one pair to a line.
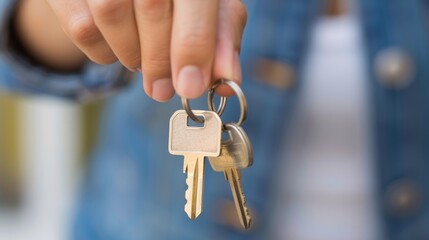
190,82
135,69
162,90
237,67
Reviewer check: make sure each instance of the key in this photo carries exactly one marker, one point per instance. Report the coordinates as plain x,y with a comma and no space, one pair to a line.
236,153
195,143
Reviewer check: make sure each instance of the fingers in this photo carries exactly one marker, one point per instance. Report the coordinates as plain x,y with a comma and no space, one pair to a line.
115,20
193,43
231,23
78,23
154,21
185,46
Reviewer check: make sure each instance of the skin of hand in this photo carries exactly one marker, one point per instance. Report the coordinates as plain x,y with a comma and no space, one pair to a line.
180,46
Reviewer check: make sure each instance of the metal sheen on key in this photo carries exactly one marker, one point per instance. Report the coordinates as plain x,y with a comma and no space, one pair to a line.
195,143
236,153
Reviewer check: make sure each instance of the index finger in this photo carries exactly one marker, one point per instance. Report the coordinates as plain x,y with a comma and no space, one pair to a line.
193,45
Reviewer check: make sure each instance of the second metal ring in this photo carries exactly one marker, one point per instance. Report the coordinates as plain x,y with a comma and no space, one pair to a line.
241,98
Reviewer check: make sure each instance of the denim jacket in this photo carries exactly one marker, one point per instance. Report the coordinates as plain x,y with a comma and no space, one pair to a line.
135,188
397,31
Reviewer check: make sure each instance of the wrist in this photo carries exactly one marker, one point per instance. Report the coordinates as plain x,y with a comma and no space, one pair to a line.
36,35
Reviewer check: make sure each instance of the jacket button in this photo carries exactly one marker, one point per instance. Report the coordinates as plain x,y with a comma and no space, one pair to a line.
275,73
394,68
403,198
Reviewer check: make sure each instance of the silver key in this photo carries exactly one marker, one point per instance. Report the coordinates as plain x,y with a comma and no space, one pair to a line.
195,143
236,153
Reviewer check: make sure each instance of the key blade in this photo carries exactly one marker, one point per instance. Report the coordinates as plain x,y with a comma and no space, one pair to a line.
194,168
233,176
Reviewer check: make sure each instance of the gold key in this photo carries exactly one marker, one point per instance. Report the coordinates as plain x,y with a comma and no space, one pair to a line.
236,153
195,143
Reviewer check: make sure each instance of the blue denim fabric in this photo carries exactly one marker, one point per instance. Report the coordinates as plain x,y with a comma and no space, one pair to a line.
16,73
135,188
400,117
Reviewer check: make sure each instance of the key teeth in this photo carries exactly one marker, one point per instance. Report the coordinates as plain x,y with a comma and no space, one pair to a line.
185,171
188,198
248,217
248,222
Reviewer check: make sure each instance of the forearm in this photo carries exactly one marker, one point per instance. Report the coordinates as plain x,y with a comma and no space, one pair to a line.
42,38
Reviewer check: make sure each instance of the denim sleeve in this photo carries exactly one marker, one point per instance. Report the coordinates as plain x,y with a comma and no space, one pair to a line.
399,113
19,75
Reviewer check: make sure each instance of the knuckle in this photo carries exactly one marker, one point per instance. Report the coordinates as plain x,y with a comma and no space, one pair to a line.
149,5
154,63
153,10
131,60
83,29
109,9
156,66
196,39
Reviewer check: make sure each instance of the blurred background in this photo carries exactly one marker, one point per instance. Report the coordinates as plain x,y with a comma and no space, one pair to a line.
327,181
43,146
326,191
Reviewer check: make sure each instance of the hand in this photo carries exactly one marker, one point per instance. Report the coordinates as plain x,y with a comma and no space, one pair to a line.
179,45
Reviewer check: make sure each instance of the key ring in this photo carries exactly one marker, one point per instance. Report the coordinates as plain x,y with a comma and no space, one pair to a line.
185,104
241,98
